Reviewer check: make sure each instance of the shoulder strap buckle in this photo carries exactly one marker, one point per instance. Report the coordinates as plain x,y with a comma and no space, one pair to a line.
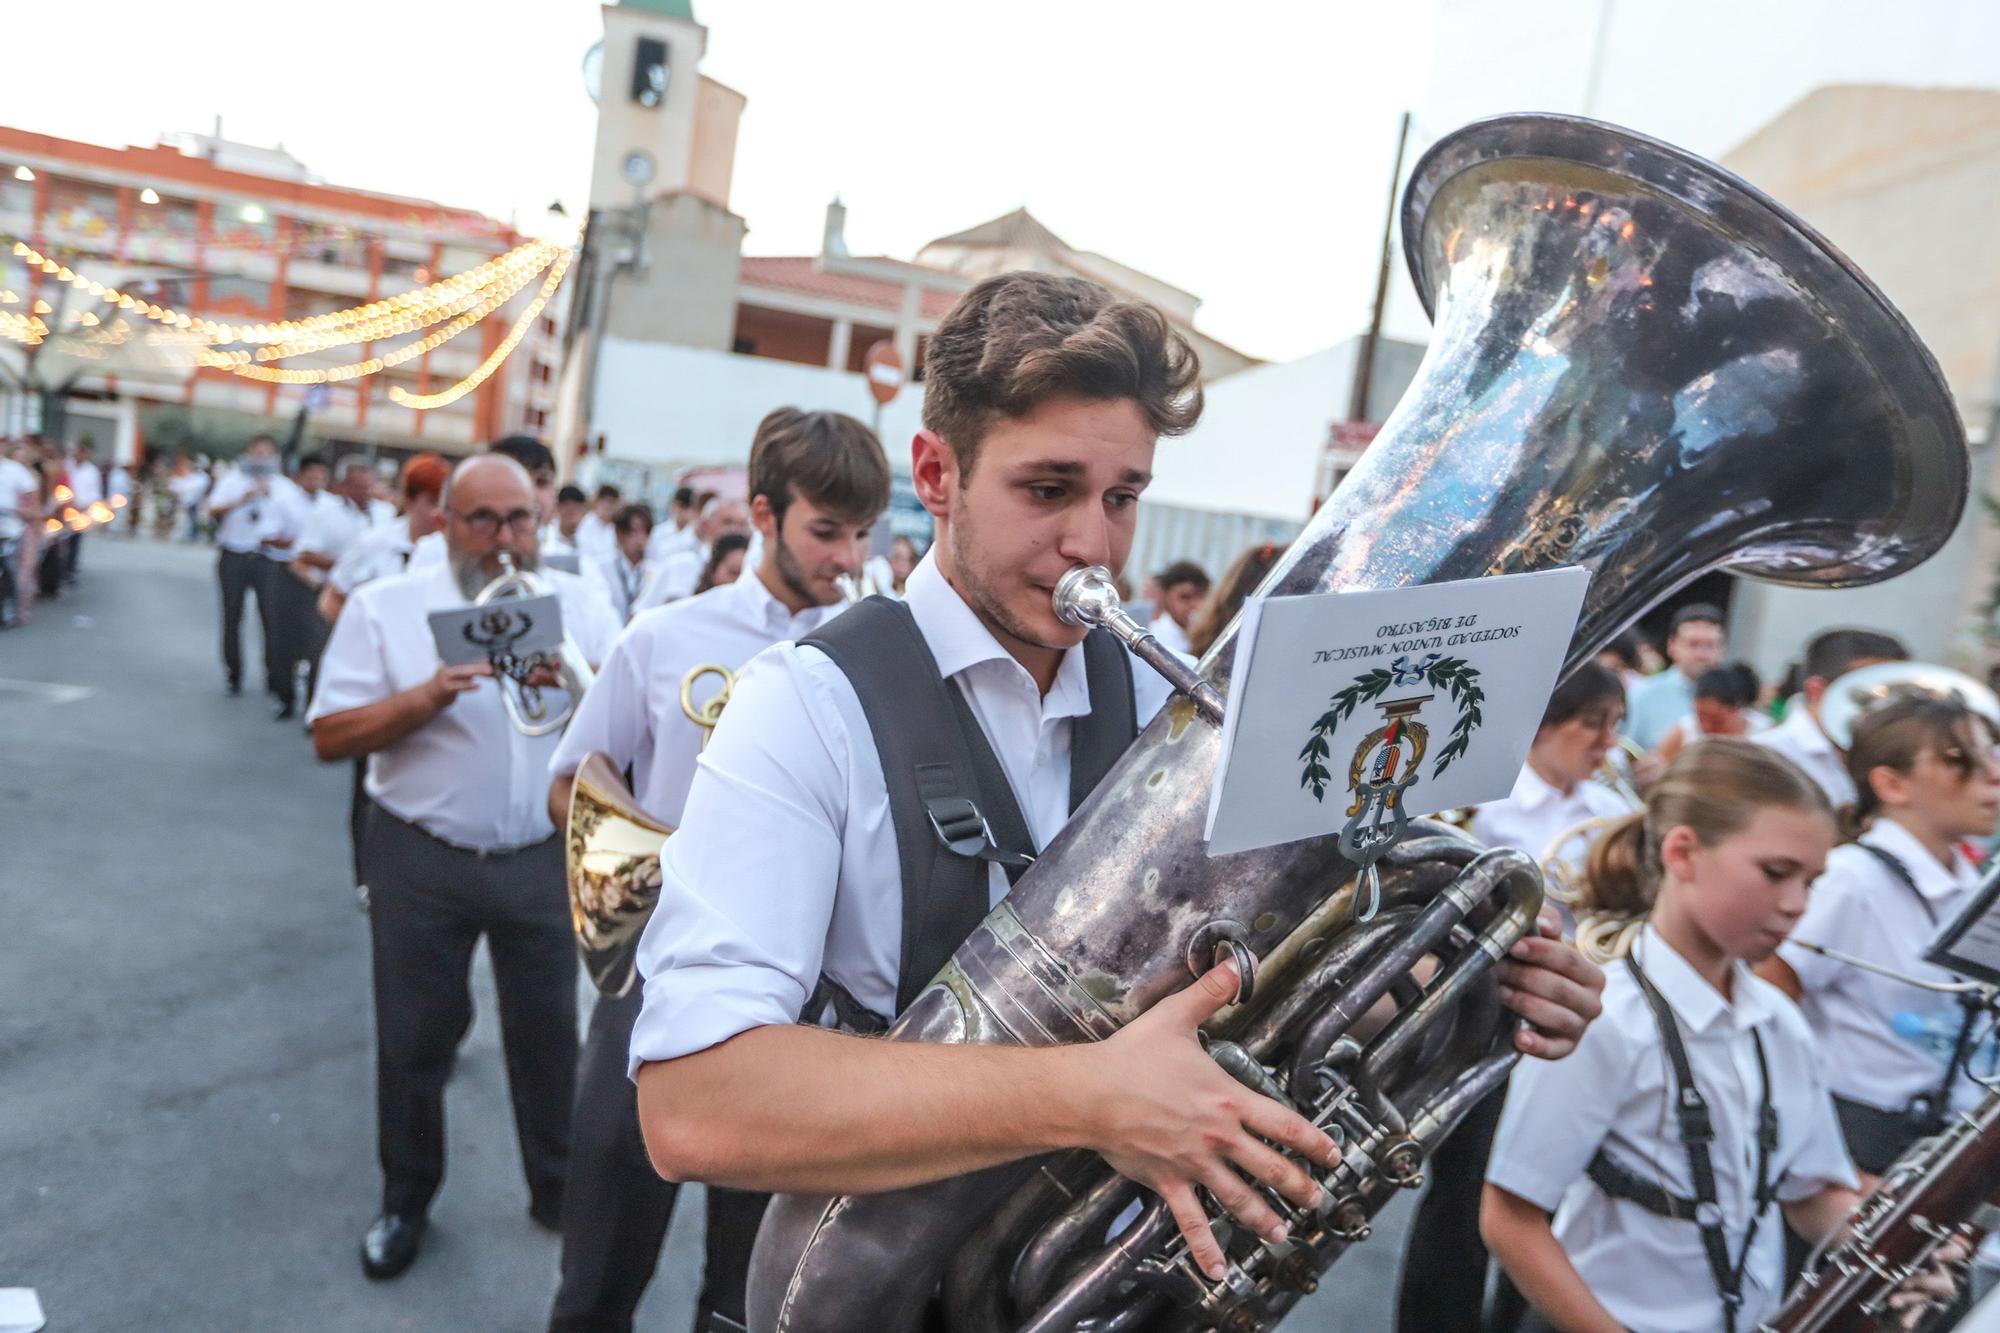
959,825
1696,1124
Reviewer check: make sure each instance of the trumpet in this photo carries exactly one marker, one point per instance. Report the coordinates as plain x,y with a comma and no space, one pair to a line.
524,705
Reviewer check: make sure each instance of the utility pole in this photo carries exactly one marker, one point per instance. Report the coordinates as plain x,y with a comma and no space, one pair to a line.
1364,361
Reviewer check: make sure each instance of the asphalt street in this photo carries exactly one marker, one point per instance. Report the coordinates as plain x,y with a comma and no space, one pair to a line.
186,1060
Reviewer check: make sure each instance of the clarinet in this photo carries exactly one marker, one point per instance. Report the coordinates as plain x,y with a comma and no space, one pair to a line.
1938,1189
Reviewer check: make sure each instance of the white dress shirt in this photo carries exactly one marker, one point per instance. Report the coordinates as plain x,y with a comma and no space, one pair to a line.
1168,631
18,486
622,582
1885,1041
667,539
86,484
596,539
1800,740
1616,1091
675,576
786,866
335,525
1536,811
253,518
466,776
375,554
429,552
633,713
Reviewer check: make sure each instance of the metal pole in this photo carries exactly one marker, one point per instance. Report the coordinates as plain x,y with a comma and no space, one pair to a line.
1364,362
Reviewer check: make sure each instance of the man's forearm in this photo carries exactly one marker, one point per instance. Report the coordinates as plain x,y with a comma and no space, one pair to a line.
377,726
790,1109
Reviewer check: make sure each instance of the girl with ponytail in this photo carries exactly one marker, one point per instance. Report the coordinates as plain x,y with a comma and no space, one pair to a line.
1898,1056
1645,1182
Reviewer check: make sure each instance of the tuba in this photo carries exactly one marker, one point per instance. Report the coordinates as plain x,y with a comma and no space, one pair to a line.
1851,697
1640,365
524,705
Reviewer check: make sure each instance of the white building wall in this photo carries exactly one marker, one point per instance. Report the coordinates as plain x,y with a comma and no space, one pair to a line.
683,406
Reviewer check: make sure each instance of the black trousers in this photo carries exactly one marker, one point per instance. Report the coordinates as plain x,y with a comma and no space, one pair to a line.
1443,1286
428,906
295,615
358,806
241,573
616,1210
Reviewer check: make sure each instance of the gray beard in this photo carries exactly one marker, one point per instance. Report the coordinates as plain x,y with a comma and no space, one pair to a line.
472,579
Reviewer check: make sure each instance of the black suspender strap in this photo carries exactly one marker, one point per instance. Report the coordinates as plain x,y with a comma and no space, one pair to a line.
953,807
1697,1133
1901,874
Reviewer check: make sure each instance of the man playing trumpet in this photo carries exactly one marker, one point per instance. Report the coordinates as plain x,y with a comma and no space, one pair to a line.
818,481
458,845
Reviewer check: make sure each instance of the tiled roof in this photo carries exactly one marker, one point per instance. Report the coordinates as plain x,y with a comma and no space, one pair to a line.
803,274
1017,230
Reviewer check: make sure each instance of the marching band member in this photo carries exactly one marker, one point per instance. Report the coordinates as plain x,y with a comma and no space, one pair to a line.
281,602
1897,1055
1693,1122
596,535
681,569
1443,1283
1183,585
623,577
818,482
559,533
242,506
726,557
1695,643
1800,738
347,511
458,845
1044,398
677,533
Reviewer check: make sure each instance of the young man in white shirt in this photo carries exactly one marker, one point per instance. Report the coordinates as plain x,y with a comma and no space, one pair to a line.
559,534
677,533
244,505
1182,586
458,845
1800,738
624,576
818,483
1044,399
596,537
680,571
344,511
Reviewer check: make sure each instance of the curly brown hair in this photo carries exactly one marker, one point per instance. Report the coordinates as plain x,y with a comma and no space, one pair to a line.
1016,340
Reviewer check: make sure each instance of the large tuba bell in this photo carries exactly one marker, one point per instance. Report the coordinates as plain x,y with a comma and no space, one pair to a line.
1850,697
1641,365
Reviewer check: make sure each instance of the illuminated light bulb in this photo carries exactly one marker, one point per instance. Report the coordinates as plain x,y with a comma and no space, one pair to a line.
149,195
23,174
43,307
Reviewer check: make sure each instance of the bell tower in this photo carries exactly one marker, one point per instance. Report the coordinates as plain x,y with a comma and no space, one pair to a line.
645,76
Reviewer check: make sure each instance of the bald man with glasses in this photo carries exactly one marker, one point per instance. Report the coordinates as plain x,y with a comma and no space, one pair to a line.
458,846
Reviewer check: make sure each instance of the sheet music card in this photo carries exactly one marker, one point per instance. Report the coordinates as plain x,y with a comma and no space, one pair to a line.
1969,944
507,629
1373,708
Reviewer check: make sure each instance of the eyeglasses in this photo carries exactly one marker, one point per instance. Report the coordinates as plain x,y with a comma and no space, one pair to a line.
485,523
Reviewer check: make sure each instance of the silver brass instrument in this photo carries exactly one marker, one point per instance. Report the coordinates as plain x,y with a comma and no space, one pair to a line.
1848,698
524,705
611,851
853,589
1640,365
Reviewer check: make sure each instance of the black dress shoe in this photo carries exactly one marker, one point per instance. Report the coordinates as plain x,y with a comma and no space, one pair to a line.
235,687
390,1245
284,711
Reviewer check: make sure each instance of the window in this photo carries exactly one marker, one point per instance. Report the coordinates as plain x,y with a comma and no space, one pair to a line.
540,371
82,208
242,222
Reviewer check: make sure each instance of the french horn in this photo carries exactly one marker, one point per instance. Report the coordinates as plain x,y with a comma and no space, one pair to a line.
611,851
523,702
1640,365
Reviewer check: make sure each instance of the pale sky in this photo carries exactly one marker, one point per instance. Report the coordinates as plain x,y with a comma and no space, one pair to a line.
1238,150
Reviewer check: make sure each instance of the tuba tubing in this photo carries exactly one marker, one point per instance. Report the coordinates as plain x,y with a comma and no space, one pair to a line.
1640,365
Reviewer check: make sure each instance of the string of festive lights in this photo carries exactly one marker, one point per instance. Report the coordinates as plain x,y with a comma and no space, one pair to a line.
417,308
423,402
238,362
